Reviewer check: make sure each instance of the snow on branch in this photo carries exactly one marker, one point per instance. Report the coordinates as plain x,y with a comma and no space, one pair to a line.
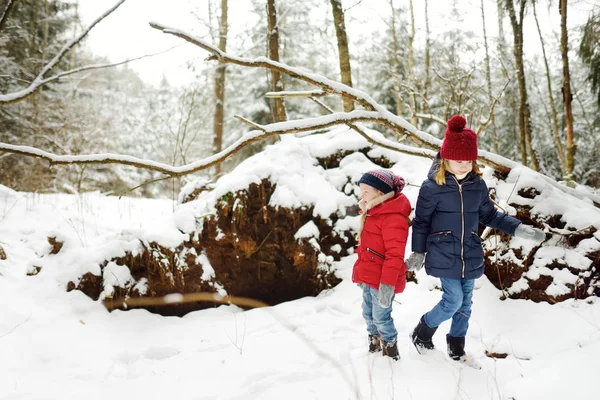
261,132
385,117
39,80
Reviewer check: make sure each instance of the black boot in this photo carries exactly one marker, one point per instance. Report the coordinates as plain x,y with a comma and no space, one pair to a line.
456,347
374,344
390,349
421,337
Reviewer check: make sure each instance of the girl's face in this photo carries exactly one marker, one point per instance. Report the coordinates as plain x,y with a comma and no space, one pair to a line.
368,193
460,167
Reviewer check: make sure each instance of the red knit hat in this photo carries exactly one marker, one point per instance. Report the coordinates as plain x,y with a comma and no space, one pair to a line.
460,143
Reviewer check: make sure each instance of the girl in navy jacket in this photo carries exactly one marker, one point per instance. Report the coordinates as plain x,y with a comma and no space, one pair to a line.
452,202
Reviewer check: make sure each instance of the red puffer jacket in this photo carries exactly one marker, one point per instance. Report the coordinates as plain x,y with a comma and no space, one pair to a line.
382,244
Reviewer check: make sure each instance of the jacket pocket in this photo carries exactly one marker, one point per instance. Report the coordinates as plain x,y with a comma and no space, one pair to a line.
473,251
377,254
442,250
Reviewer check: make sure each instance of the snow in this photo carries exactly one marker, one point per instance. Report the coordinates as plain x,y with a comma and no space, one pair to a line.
307,230
56,344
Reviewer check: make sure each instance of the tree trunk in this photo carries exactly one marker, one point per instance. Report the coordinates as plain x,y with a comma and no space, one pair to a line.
567,96
553,113
488,77
410,67
427,60
343,51
524,115
220,87
396,63
277,104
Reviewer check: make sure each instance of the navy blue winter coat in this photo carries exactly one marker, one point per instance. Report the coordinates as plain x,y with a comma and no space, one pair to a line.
446,222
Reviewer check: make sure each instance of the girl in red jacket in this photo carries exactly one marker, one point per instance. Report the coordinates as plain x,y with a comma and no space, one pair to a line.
380,270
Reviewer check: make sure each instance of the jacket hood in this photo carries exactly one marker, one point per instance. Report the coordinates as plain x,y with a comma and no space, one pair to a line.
387,204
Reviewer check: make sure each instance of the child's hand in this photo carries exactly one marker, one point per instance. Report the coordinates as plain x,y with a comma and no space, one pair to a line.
415,261
385,295
529,232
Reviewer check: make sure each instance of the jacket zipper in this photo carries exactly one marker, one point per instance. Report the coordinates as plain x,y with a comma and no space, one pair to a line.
441,233
462,233
376,253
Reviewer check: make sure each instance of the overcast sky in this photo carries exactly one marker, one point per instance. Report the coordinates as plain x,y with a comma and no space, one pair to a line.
126,32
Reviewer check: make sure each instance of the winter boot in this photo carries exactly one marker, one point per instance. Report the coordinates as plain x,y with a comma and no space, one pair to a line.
456,347
456,351
421,337
374,344
390,349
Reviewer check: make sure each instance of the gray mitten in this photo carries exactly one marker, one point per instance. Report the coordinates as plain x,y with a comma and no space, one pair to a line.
415,261
385,295
529,232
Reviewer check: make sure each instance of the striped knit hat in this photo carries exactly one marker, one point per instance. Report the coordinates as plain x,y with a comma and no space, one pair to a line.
383,180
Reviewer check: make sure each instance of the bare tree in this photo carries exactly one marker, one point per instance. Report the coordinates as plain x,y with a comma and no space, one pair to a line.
567,96
42,78
374,112
343,51
410,66
427,59
488,78
553,113
524,113
396,62
220,87
278,104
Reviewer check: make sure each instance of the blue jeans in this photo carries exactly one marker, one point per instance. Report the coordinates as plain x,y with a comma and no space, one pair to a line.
379,320
456,304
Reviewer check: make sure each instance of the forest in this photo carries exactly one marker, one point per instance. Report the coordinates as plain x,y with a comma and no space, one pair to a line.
538,109
182,220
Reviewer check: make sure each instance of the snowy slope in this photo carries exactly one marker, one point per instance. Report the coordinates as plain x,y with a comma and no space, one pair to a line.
59,345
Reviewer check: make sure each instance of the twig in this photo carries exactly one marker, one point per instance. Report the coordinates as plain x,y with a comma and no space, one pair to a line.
176,298
144,184
7,333
38,82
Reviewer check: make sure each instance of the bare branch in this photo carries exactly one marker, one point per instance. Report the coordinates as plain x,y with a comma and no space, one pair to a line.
176,298
38,82
496,100
264,131
395,122
100,66
7,9
301,93
252,124
431,117
144,184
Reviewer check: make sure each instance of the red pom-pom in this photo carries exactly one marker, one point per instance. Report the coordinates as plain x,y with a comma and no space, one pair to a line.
457,123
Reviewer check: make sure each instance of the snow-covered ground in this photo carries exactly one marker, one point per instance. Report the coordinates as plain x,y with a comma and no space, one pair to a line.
59,345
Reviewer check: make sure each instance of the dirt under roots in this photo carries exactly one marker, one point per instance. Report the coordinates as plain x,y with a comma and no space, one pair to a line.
250,246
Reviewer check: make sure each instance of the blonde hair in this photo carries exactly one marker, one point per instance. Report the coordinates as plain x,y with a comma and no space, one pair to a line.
440,174
363,217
